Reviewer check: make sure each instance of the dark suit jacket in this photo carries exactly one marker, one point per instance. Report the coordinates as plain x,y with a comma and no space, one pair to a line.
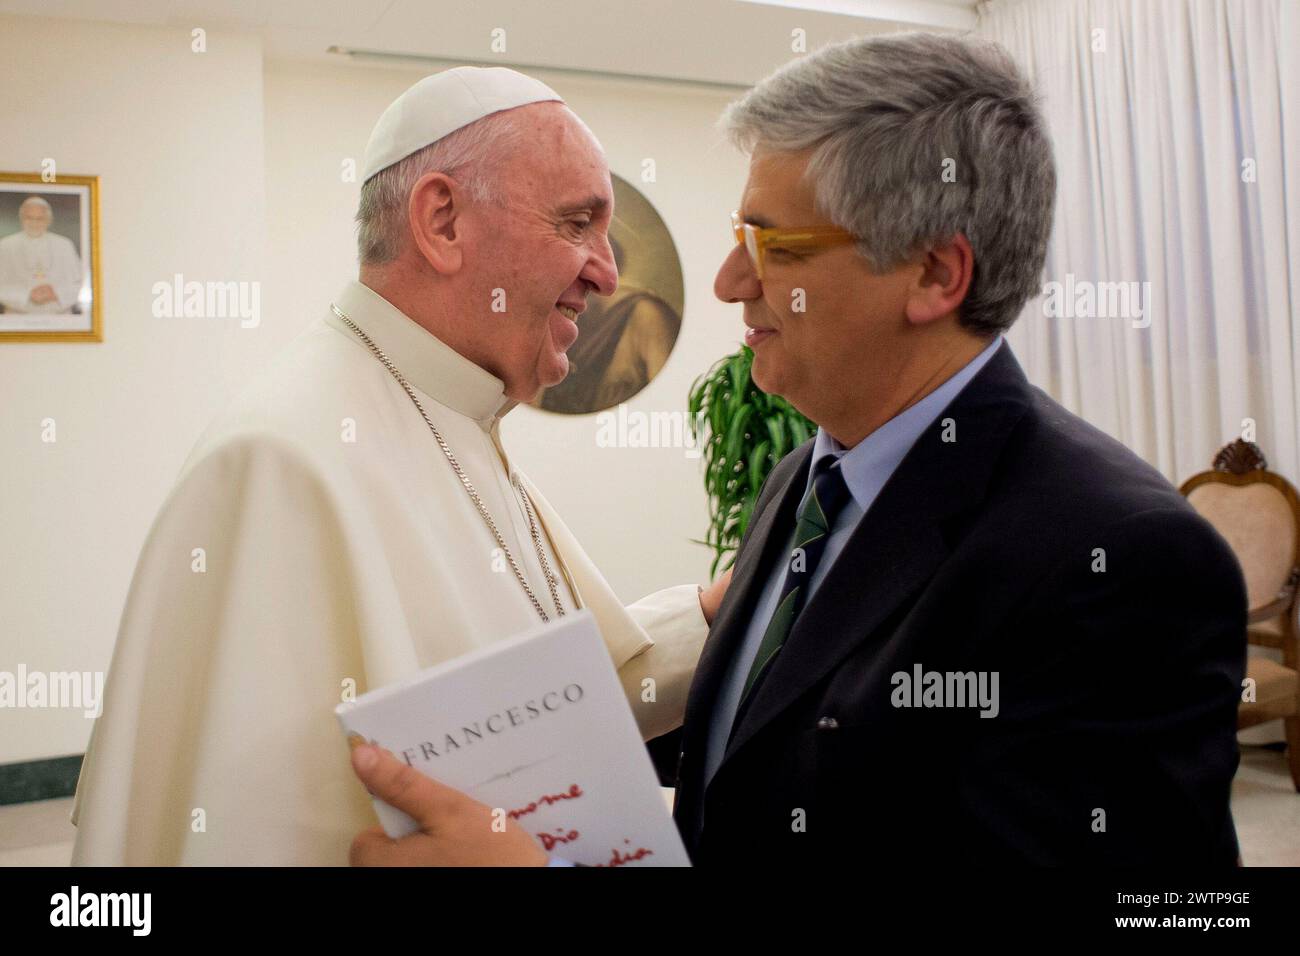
1118,688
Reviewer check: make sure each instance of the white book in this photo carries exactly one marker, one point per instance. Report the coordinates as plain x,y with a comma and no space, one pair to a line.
536,726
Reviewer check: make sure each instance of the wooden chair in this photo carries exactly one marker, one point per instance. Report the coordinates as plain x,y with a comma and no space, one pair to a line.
1258,514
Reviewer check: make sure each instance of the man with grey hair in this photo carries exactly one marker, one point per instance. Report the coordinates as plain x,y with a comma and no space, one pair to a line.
353,517
964,625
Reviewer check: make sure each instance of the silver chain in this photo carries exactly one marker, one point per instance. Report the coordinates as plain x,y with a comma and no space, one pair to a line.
551,580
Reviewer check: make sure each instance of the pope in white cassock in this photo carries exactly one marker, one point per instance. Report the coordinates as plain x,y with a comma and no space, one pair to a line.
353,517
40,271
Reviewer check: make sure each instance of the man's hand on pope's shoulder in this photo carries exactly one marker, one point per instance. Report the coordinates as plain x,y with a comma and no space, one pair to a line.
454,830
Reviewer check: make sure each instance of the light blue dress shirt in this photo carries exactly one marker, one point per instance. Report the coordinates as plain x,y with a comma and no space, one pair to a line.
866,467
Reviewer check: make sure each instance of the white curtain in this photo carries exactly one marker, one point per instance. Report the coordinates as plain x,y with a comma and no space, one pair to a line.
1176,125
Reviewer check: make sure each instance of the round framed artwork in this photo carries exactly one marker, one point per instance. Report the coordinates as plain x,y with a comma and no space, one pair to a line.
625,339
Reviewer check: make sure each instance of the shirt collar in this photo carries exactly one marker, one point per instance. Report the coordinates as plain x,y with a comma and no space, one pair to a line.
424,360
870,463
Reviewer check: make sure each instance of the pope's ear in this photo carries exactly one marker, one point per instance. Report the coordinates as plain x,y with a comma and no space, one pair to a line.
436,202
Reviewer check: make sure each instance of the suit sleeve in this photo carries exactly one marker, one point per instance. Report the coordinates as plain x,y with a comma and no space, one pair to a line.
1116,737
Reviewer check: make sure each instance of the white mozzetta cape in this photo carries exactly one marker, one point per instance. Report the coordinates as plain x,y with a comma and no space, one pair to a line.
327,562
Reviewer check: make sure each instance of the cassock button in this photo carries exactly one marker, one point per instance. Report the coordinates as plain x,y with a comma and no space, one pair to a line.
828,723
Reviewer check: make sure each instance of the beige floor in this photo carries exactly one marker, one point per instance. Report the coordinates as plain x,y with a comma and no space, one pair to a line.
1265,806
36,834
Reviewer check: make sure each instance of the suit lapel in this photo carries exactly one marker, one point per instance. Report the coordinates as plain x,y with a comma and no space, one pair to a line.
767,535
898,544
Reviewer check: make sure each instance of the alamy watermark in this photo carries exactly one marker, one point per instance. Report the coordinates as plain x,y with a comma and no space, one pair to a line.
623,428
922,688
1082,299
83,690
75,908
179,299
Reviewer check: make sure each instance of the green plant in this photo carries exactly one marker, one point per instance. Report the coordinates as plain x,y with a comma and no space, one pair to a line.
743,433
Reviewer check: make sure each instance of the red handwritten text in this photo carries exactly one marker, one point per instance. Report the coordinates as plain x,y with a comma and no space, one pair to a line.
571,794
550,841
619,859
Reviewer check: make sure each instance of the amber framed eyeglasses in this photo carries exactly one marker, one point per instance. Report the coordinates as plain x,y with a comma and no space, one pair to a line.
757,240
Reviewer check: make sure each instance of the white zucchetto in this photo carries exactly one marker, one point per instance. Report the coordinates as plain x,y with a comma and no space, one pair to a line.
443,103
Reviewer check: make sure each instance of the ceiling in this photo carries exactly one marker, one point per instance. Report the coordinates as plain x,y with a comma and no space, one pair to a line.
710,42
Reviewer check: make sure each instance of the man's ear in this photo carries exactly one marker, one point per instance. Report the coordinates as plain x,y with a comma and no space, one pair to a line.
945,278
436,202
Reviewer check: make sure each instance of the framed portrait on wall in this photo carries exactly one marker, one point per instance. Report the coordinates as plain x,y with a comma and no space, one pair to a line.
49,259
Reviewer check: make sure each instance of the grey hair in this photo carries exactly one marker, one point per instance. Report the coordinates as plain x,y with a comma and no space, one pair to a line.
38,201
471,154
882,115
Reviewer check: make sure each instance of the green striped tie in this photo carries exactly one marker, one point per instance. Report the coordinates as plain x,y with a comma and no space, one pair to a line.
812,529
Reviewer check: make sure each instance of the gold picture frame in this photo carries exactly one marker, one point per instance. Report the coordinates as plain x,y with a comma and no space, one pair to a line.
22,318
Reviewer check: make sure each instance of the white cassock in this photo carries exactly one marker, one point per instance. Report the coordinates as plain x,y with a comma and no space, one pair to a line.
26,262
326,560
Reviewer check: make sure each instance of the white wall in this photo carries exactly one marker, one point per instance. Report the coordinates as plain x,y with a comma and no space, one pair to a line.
176,139
221,167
